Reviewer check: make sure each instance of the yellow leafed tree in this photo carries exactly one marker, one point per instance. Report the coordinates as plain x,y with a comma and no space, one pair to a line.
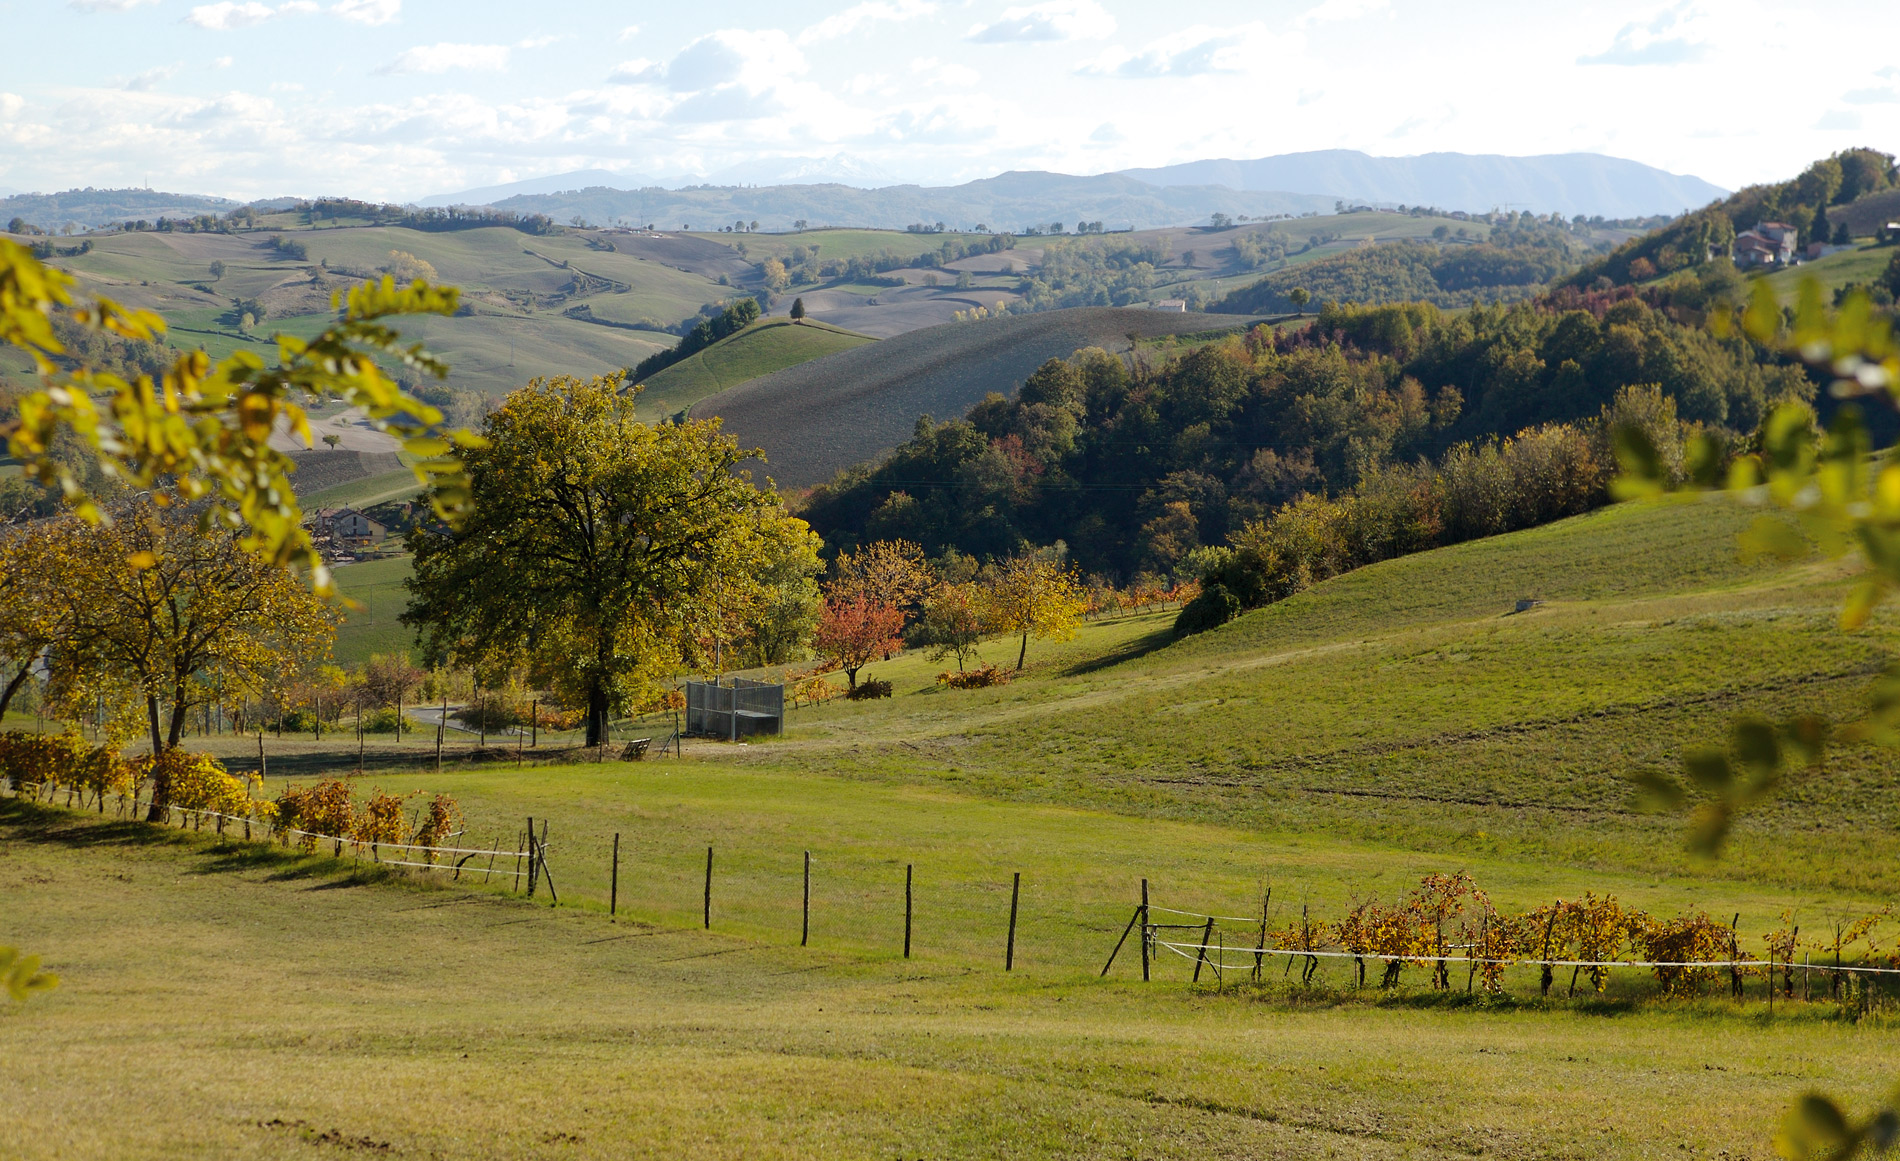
1035,598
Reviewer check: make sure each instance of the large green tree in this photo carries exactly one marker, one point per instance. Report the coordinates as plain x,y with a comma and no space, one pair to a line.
598,549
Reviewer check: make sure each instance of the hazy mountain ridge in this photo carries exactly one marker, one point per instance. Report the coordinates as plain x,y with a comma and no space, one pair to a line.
1009,201
101,207
1569,183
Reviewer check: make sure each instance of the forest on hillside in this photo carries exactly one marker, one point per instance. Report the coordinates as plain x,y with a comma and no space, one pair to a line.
1135,467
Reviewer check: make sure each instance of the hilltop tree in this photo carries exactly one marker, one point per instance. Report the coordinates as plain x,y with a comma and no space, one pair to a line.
798,308
1299,297
599,549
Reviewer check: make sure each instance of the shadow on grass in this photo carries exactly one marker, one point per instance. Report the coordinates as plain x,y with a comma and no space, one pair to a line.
212,853
1129,651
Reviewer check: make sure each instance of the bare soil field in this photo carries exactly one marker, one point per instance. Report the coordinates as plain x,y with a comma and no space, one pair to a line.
820,417
898,310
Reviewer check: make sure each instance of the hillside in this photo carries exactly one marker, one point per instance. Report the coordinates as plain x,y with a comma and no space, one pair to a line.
760,349
1398,722
820,417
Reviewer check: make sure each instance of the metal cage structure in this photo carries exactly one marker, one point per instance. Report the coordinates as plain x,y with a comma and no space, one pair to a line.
743,709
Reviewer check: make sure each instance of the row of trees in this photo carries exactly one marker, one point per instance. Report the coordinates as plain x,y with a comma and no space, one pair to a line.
887,595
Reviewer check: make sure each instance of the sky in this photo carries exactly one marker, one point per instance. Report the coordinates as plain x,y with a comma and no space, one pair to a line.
398,99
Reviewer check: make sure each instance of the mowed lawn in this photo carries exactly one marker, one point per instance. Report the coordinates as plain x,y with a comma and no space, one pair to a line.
235,1002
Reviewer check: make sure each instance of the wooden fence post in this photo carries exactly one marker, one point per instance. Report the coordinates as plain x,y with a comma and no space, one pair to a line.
534,722
1201,957
1145,930
613,891
533,861
262,772
709,851
907,870
804,930
1015,892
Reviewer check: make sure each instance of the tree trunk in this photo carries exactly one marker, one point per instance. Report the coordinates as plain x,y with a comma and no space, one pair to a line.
596,713
851,674
13,687
181,711
161,779
1022,653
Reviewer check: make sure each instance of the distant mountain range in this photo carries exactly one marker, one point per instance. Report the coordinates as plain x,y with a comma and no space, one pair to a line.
845,191
1569,183
1011,201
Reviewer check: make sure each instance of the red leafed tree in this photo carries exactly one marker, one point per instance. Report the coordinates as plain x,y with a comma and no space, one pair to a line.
857,631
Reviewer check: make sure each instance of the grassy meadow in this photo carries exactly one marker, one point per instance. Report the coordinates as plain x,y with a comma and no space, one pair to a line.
760,349
1394,722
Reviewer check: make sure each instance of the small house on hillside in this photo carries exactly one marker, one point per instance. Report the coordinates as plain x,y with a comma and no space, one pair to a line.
1768,244
351,529
1179,304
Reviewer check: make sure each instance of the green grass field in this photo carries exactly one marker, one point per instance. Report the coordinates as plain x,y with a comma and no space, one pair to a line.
760,349
1396,721
1865,264
377,587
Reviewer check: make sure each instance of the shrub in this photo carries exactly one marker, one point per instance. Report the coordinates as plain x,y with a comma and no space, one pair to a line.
443,820
982,678
200,782
379,821
1214,607
868,690
323,810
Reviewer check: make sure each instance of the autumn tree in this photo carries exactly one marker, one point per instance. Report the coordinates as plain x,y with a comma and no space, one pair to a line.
956,619
36,598
597,548
1299,296
1034,597
178,608
855,631
886,572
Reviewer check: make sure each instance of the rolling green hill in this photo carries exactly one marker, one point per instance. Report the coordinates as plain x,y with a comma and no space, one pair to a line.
760,349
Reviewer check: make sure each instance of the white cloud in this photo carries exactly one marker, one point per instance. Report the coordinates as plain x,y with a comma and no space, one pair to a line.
1056,20
228,14
223,62
633,72
440,58
930,70
628,33
11,104
851,19
151,79
1668,39
538,41
107,5
756,60
368,11
1336,10
1192,52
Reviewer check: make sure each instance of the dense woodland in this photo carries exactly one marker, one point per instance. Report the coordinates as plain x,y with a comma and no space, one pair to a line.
1514,259
1136,467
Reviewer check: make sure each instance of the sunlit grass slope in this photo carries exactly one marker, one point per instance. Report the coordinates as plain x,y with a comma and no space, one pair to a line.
760,349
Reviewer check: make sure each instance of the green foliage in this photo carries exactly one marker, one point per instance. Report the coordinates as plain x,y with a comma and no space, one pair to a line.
1093,272
1521,256
208,427
601,551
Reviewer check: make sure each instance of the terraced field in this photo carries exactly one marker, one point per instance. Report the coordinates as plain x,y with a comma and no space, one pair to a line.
820,417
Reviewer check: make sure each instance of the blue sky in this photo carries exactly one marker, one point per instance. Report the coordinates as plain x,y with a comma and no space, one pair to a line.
401,98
